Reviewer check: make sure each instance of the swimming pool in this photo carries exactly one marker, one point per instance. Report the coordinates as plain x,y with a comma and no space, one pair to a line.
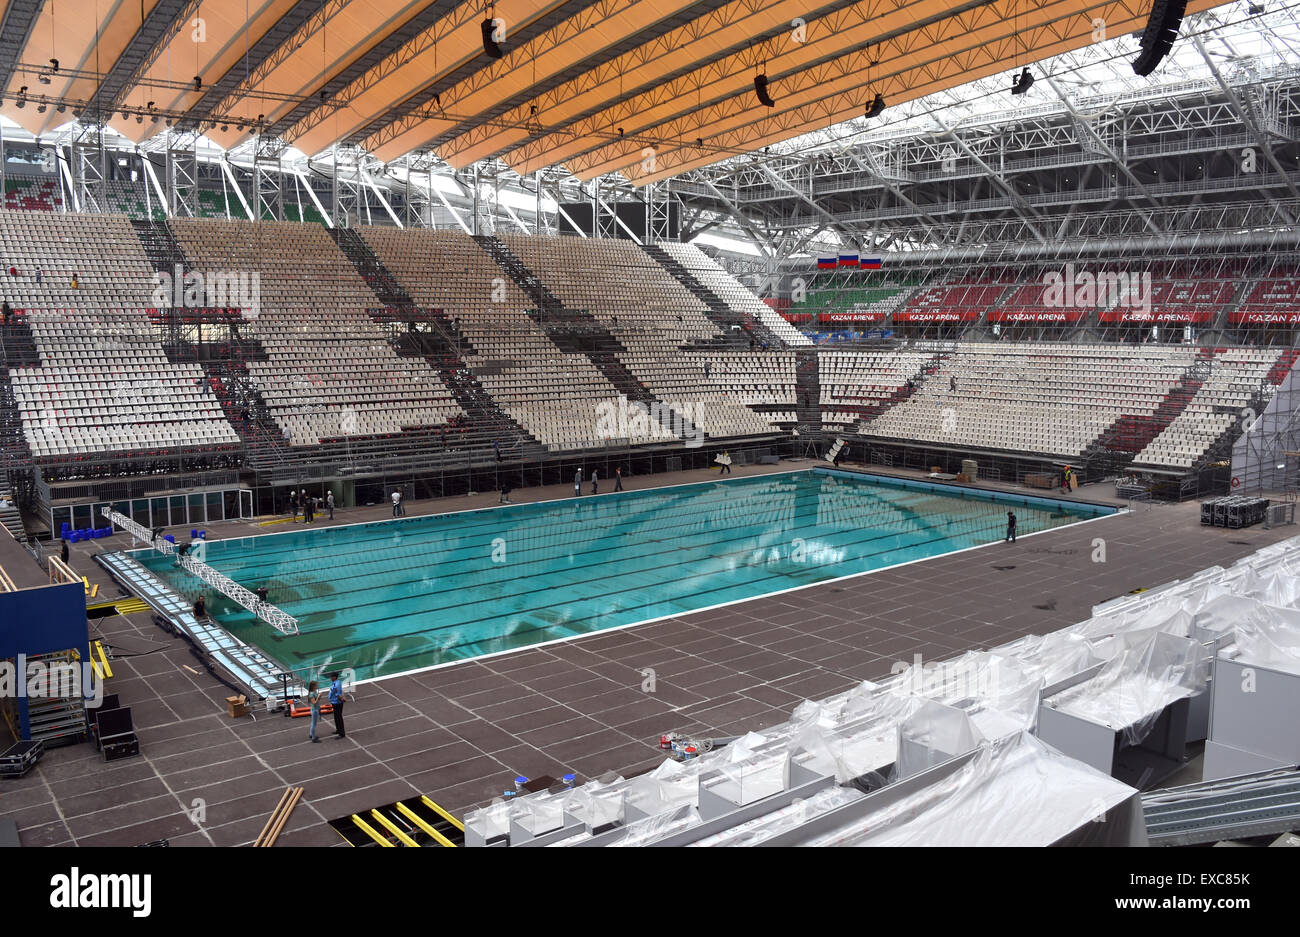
394,596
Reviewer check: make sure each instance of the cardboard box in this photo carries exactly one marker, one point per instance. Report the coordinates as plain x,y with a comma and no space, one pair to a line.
237,706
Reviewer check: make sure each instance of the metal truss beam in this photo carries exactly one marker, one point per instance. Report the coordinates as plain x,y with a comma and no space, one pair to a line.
586,93
20,17
971,44
285,37
825,215
763,243
688,98
163,22
1104,148
1246,114
466,102
372,58
526,32
1018,201
367,106
277,618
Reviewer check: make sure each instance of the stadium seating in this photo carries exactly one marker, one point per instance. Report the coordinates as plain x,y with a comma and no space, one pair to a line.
966,299
1273,295
729,290
333,361
330,372
859,384
556,397
106,387
32,193
1051,400
104,384
1237,376
840,293
1194,300
131,199
653,317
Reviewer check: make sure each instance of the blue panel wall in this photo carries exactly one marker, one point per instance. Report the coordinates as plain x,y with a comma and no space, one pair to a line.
40,621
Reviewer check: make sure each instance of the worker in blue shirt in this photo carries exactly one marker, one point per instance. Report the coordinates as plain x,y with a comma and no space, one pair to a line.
336,701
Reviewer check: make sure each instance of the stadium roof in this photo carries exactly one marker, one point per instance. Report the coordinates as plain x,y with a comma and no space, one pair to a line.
643,88
1244,41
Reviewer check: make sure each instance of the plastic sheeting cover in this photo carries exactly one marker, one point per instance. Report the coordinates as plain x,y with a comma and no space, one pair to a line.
1270,637
1016,792
1137,683
933,734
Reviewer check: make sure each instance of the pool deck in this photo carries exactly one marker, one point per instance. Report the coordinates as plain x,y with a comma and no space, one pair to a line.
461,732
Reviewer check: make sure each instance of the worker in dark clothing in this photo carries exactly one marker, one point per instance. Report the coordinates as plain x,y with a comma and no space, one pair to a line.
200,608
63,552
261,593
952,383
1011,527
618,479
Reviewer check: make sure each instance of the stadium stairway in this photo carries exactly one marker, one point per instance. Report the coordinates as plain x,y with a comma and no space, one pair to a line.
371,269
14,451
160,246
1116,445
18,345
576,331
808,389
17,350
548,304
719,313
1221,447
902,393
1223,317
442,348
231,382
10,518
440,344
1285,362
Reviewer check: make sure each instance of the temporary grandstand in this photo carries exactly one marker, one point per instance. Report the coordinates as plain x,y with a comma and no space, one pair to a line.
502,293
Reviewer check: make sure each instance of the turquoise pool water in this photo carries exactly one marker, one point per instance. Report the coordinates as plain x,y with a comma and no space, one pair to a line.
398,595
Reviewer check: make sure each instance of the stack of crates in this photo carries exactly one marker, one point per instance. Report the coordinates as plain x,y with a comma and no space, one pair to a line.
1234,511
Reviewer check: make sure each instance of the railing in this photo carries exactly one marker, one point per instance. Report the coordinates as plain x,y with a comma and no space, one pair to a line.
61,572
279,620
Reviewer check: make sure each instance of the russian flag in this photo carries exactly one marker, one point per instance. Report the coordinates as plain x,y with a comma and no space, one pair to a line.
825,263
848,260
871,263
